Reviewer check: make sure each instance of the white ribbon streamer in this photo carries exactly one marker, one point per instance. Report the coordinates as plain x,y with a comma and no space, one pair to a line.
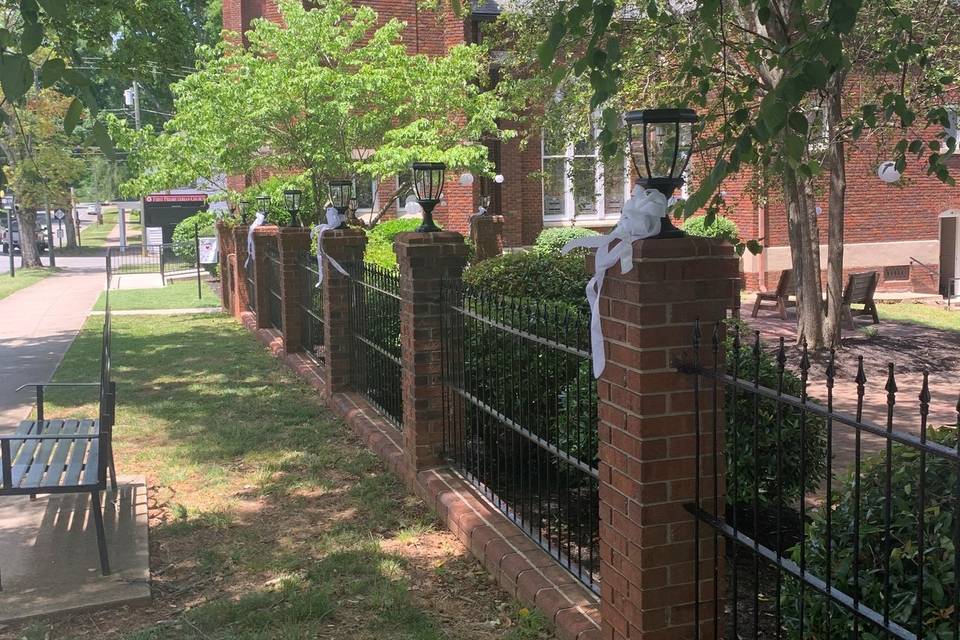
640,219
251,248
333,221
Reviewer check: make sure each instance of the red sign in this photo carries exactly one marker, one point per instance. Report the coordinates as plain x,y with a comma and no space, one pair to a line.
177,197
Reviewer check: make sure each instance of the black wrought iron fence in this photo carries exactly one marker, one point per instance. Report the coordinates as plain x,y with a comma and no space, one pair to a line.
247,273
272,274
813,551
311,308
520,408
166,259
375,322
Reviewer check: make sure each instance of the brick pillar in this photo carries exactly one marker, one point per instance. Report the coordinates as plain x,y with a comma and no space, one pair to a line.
226,246
486,231
292,241
426,260
263,237
242,295
346,246
647,437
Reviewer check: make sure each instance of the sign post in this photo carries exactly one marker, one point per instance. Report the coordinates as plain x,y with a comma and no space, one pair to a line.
59,215
10,213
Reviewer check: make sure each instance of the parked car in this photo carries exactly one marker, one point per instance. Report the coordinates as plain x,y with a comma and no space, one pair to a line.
12,236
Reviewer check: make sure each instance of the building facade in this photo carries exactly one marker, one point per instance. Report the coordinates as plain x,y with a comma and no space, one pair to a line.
909,232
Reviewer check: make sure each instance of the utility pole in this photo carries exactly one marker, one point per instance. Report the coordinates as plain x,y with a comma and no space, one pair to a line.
13,269
131,98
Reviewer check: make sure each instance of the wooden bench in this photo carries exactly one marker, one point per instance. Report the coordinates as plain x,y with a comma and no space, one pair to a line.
859,290
66,456
786,287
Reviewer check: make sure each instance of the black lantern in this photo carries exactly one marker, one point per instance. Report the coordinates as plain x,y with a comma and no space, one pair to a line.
661,142
244,211
291,199
428,185
263,204
341,191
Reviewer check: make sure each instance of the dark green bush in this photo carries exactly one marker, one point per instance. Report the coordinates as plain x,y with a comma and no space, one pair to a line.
723,228
940,583
532,275
184,234
554,239
745,469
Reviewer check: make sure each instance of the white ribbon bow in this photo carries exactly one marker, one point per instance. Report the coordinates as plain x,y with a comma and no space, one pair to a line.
640,219
333,221
251,248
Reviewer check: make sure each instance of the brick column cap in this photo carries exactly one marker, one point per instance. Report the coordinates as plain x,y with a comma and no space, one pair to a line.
429,237
266,230
293,231
684,247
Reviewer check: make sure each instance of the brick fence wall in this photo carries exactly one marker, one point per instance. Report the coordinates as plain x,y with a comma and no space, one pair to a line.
646,409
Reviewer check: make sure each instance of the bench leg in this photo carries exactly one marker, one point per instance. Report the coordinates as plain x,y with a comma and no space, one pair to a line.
872,308
97,511
756,308
113,473
782,308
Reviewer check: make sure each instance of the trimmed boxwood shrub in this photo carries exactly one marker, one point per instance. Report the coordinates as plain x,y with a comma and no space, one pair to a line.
554,239
532,275
723,228
940,583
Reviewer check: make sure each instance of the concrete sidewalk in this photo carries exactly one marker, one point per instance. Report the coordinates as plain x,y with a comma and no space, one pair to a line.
37,326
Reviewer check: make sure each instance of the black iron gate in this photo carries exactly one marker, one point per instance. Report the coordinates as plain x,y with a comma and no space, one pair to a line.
869,553
520,414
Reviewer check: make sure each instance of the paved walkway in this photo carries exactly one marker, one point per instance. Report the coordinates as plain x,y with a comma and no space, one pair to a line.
37,326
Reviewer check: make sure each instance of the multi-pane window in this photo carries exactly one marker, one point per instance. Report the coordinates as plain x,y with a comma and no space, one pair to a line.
578,184
950,131
364,187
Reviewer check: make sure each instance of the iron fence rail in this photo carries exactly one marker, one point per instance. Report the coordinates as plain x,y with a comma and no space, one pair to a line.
520,417
876,558
165,259
375,324
310,304
246,269
272,274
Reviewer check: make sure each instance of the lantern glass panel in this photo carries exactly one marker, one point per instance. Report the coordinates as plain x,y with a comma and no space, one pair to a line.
428,182
340,193
263,203
292,199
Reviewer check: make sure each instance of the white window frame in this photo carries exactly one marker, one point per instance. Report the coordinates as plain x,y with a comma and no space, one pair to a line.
600,216
951,131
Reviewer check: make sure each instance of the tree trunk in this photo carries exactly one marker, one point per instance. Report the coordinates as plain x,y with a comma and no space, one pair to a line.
804,253
838,191
30,257
70,225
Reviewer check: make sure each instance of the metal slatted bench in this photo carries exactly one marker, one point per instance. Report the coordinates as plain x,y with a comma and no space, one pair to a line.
64,455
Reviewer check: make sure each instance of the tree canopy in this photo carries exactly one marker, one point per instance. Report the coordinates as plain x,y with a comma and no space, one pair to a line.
327,95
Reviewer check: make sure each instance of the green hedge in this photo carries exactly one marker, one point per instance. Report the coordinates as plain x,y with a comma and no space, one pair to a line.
532,275
184,234
940,583
723,228
553,240
380,241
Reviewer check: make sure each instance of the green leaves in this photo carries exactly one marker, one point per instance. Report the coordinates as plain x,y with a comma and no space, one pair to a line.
31,37
16,75
51,71
103,140
72,117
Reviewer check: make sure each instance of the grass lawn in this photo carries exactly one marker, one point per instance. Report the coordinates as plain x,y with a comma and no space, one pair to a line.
922,314
95,235
179,295
269,518
23,279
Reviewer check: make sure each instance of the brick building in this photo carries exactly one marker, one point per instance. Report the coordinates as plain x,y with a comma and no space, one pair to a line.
909,232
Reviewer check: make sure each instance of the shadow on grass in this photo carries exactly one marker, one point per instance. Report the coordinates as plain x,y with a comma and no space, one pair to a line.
270,519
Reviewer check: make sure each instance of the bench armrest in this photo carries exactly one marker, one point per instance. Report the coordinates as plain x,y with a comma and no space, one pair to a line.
41,385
